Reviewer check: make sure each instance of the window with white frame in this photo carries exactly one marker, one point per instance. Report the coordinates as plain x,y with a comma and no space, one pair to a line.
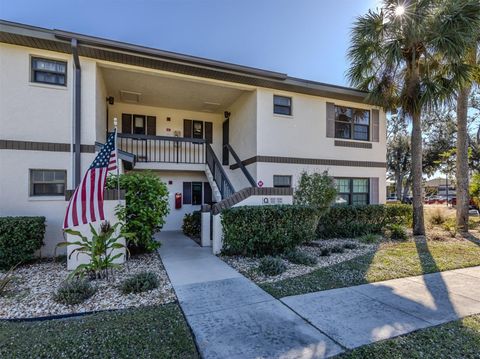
48,71
47,182
282,105
352,191
352,123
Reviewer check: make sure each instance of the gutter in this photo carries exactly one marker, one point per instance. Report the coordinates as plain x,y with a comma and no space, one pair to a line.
77,91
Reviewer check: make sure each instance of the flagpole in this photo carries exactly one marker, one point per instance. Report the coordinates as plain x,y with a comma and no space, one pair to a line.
115,123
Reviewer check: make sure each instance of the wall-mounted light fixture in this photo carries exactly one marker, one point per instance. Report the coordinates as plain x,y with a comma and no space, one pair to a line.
110,100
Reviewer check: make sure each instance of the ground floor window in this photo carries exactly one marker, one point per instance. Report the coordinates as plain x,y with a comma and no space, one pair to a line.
197,193
352,191
47,182
282,181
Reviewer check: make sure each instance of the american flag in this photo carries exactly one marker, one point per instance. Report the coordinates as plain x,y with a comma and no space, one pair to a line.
86,203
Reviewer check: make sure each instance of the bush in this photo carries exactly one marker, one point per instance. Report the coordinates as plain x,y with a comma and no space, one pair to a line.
299,257
272,266
192,224
316,189
398,232
437,217
325,252
146,207
369,238
337,249
450,226
74,291
268,230
20,237
140,282
350,245
354,221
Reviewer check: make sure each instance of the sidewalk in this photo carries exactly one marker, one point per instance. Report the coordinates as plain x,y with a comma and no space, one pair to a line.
230,316
364,314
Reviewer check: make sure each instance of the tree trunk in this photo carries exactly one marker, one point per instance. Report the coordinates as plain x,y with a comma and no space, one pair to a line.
398,186
417,176
463,200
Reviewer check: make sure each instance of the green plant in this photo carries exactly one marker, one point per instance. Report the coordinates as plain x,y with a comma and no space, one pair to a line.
355,221
369,238
437,217
20,237
192,224
450,226
100,249
74,291
272,266
337,249
6,279
298,257
146,207
350,245
315,189
268,230
325,252
398,232
140,282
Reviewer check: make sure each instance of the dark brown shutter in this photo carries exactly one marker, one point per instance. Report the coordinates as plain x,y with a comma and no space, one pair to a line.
209,132
126,123
330,119
374,195
375,126
151,125
187,192
187,128
207,193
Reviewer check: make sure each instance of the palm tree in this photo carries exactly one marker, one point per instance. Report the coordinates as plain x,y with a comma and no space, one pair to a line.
463,201
408,56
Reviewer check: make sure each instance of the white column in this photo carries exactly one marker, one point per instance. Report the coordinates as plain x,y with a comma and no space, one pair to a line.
205,231
217,234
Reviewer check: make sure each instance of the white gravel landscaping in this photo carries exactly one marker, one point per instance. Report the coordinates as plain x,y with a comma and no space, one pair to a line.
248,266
31,293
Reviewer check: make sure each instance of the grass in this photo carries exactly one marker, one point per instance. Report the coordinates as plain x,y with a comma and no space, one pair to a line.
151,332
391,260
459,339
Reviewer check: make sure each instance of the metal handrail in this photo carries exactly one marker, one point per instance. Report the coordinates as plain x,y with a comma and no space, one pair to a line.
241,166
219,176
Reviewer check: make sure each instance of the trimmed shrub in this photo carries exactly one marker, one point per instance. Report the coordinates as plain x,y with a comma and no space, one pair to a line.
299,257
272,266
140,282
398,232
20,237
354,221
192,224
74,291
315,189
146,207
268,230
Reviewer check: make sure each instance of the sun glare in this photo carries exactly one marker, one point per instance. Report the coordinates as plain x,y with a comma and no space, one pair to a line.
399,10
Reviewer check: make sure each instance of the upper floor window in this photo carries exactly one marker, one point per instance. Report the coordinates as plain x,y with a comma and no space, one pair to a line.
282,181
48,182
282,105
50,72
352,191
352,123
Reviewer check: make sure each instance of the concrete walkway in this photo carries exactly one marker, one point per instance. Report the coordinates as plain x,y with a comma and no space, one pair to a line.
229,315
364,314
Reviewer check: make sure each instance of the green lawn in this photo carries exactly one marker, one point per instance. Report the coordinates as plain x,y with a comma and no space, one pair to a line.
391,260
153,332
459,339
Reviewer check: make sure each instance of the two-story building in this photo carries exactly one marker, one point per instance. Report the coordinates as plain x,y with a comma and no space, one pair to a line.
207,128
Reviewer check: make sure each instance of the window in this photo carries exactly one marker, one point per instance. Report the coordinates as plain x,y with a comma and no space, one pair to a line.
197,193
352,124
49,71
48,182
198,129
352,191
282,181
282,105
139,124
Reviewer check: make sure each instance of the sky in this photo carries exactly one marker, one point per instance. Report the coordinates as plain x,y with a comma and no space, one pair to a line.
302,38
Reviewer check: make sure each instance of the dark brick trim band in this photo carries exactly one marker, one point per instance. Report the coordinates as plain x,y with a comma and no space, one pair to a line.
248,192
108,195
353,144
310,161
42,146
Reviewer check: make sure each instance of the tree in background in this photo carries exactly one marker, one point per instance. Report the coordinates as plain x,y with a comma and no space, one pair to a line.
410,57
399,159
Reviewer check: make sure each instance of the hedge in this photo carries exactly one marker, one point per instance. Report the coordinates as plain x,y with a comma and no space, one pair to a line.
192,224
354,221
268,230
20,237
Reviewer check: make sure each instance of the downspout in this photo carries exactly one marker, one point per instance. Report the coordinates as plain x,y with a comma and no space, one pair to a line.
76,113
